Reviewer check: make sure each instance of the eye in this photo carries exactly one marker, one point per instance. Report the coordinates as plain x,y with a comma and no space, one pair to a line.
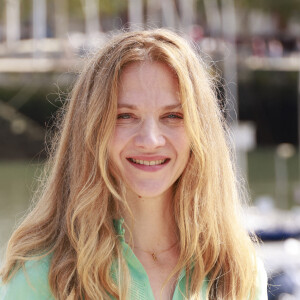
123,116
174,116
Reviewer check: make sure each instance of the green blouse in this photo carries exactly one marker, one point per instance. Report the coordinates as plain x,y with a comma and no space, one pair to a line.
33,284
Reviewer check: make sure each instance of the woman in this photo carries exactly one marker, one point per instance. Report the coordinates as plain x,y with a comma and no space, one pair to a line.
141,200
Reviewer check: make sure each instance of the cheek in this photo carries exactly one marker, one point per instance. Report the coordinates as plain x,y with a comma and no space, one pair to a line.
184,151
182,142
117,144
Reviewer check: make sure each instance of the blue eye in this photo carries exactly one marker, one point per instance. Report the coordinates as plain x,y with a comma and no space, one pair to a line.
123,116
175,116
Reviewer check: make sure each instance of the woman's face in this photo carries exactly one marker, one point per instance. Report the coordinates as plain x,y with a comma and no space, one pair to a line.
149,148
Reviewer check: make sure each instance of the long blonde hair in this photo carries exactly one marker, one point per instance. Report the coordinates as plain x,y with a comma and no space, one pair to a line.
73,219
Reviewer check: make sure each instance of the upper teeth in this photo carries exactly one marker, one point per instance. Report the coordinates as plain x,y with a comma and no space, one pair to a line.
148,162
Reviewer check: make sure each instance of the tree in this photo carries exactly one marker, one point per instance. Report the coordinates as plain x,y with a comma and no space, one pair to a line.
282,10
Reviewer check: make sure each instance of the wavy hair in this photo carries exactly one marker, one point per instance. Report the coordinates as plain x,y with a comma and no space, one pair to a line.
83,244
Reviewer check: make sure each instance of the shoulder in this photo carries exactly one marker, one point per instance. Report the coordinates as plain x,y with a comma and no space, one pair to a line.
261,281
30,282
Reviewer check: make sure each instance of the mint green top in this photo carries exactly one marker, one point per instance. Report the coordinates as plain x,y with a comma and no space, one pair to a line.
33,284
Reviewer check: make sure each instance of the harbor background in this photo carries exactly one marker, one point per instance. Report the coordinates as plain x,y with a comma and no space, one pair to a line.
252,46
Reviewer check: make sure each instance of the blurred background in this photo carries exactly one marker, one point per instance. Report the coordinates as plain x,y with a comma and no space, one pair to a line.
254,45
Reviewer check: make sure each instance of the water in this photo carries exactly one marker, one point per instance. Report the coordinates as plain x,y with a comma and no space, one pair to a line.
16,190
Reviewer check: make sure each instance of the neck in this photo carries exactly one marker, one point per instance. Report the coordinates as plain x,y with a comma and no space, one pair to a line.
152,222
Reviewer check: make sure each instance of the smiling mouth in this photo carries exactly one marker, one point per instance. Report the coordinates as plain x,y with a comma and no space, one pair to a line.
149,162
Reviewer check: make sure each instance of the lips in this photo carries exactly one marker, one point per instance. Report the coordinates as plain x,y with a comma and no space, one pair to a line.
148,162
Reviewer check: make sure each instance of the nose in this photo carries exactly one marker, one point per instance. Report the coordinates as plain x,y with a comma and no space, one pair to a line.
149,135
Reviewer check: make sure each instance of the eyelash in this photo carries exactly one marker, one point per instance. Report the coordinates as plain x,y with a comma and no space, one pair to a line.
127,116
121,116
176,115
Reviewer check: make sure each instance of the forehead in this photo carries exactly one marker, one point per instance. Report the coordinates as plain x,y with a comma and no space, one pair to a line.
150,83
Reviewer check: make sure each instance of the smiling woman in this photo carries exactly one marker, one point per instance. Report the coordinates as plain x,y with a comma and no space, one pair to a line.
150,147
141,146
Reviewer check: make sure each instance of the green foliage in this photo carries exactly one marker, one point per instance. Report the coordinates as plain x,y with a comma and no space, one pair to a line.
26,9
108,7
75,8
285,9
25,6
112,7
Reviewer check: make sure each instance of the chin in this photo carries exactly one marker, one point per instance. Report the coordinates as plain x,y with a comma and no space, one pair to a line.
152,191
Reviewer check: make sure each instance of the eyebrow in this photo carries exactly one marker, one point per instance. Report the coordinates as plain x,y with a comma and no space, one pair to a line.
126,105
